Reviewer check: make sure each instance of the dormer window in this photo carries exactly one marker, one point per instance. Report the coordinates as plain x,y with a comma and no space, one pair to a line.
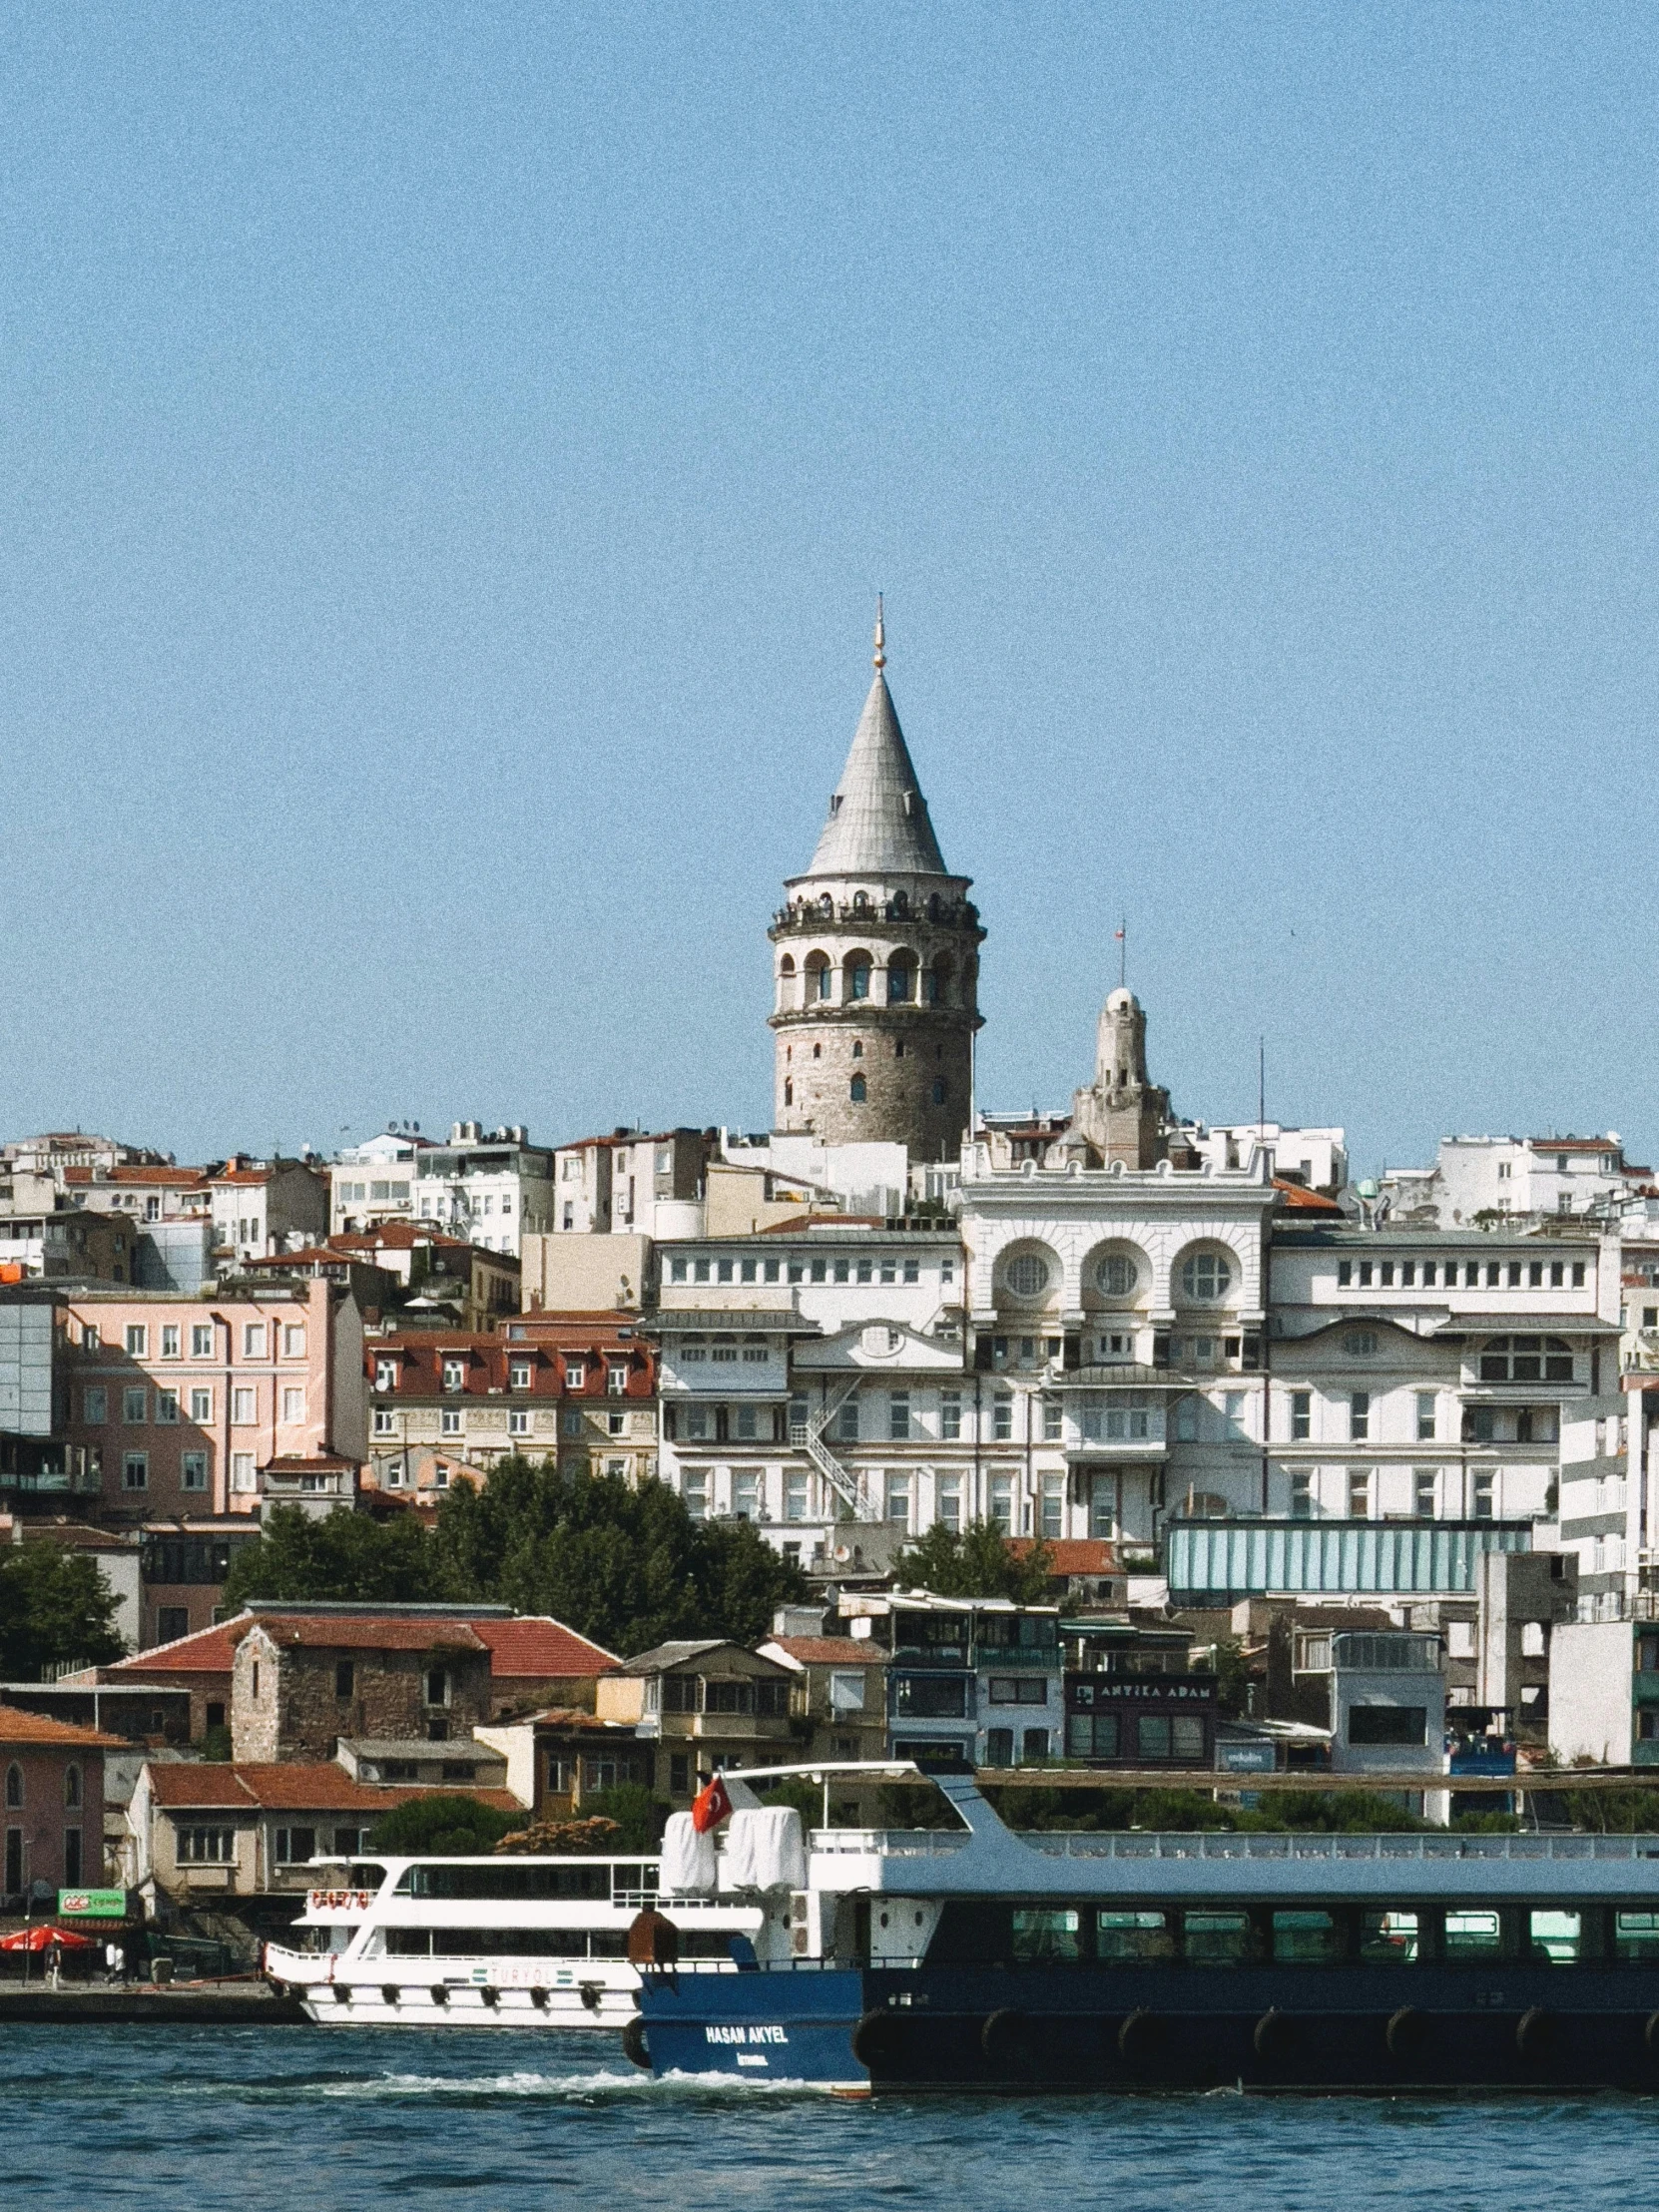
454,1375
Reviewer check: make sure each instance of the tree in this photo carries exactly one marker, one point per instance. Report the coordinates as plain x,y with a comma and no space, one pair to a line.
54,1606
977,1562
625,1565
344,1555
443,1825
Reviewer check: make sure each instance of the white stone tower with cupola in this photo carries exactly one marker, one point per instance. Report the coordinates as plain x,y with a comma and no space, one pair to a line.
875,963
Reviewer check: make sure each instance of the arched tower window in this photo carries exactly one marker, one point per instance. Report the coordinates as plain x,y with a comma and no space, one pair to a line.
785,981
899,906
858,975
72,1786
14,1787
789,1094
855,1090
902,979
818,976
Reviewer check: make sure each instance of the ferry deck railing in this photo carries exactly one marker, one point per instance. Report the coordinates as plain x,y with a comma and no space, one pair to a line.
1226,1843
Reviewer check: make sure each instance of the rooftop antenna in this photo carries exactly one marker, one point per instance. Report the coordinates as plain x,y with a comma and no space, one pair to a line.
1121,932
881,636
1262,1086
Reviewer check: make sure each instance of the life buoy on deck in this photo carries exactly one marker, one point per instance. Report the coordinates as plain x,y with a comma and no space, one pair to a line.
1406,2031
632,2042
875,2039
1535,2032
1002,2035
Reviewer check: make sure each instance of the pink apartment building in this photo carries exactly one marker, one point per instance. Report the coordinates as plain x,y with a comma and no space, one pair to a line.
213,1404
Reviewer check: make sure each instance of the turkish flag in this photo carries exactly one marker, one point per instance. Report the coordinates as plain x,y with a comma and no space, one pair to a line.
710,1805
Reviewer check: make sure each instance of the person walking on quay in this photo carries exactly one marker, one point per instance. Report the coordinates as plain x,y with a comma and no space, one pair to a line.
54,1963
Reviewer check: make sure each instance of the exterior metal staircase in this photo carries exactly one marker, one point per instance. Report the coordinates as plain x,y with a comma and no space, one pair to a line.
807,1437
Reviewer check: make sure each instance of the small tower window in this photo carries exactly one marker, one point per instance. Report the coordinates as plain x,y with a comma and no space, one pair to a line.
857,1048
938,1094
898,1049
857,1090
818,1052
789,1094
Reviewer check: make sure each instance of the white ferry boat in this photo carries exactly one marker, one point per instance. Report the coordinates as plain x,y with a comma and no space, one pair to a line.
487,1942
977,1957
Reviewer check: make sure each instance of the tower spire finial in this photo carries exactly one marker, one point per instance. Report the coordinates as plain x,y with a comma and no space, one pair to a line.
881,636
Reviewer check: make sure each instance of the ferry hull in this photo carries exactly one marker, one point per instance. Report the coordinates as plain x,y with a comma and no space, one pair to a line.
759,2028
1080,2028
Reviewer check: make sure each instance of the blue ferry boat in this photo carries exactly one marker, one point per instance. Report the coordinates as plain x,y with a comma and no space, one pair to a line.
1144,1960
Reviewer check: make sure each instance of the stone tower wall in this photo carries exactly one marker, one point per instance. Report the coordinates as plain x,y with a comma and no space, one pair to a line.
901,1049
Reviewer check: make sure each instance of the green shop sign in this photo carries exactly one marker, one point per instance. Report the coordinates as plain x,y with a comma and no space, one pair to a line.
92,1904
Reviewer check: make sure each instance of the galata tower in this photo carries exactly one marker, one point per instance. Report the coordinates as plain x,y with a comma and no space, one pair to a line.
876,962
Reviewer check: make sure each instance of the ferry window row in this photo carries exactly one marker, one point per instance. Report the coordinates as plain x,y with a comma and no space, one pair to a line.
539,1942
1303,1936
460,1881
1452,1274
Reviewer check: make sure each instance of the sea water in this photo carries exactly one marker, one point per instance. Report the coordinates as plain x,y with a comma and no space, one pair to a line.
288,2118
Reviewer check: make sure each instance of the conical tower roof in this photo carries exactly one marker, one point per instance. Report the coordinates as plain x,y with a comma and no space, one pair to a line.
878,822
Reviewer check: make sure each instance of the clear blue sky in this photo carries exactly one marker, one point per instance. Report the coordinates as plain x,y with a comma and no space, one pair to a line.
449,454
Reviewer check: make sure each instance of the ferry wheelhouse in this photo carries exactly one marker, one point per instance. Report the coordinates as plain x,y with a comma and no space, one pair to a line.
485,1943
1136,1959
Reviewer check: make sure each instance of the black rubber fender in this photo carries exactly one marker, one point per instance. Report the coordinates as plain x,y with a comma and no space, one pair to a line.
873,2037
1650,2035
634,2047
440,1996
1273,2032
1535,2032
1136,2036
1406,2031
1001,2035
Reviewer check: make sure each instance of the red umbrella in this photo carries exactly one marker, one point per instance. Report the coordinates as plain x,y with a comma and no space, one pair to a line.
41,1938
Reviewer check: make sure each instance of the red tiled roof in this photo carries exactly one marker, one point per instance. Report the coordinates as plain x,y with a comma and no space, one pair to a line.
1071,1554
400,1236
241,1175
171,1178
359,1632
574,1717
207,1651
308,1787
540,1647
296,1788
309,1254
830,1651
1296,1198
315,1462
21,1728
529,1649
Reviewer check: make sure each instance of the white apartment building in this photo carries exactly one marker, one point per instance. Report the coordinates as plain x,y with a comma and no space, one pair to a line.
870,1179
1315,1158
375,1181
816,1378
1479,1180
635,1182
267,1206
1461,1377
486,1187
